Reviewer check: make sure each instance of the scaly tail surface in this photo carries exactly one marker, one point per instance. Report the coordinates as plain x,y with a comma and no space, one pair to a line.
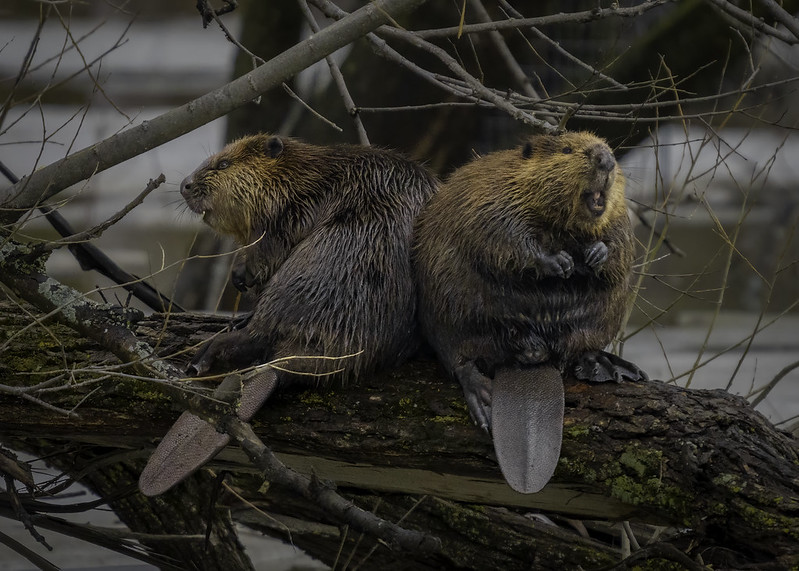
191,442
527,407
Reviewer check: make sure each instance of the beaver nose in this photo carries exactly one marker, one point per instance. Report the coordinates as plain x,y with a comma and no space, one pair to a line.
602,158
186,187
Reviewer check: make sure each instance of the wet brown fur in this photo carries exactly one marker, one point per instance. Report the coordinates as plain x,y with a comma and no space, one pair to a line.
328,232
483,294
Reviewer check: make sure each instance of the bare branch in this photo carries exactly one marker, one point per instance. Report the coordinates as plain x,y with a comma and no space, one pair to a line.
751,22
315,113
764,391
90,257
783,17
95,232
568,55
381,48
23,70
338,79
478,88
562,18
507,56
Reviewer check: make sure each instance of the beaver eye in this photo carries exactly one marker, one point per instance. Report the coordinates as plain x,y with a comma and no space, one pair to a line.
222,165
567,150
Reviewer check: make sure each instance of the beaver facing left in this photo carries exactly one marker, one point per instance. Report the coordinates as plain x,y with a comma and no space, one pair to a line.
326,233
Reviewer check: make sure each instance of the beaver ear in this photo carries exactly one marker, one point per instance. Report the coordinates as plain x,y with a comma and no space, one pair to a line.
273,147
527,150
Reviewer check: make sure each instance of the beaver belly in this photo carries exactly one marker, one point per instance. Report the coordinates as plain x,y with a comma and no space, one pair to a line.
569,323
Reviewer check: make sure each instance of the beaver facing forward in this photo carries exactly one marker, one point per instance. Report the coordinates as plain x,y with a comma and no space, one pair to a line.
523,261
327,237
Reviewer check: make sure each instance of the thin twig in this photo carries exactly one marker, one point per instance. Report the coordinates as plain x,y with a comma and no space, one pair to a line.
750,22
561,18
86,67
21,512
95,232
423,106
23,71
763,391
508,59
660,234
27,553
338,79
451,63
382,49
783,17
556,45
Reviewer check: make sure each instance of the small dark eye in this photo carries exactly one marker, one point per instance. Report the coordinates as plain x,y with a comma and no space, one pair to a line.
567,150
222,165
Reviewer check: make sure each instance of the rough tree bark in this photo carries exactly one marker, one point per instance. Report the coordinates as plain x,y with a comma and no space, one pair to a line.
401,443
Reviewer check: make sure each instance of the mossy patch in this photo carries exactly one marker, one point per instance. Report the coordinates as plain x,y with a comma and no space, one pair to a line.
730,482
642,461
451,419
576,468
769,522
637,479
653,492
576,431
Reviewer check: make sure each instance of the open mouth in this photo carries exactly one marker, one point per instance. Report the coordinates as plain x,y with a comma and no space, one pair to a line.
595,202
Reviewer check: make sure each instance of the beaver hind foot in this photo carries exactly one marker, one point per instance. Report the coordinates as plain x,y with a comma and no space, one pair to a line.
232,350
600,366
477,390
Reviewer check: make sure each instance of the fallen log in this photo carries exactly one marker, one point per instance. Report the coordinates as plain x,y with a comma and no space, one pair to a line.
703,465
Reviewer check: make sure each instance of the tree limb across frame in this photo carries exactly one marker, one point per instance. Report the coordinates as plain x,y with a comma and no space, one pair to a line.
703,464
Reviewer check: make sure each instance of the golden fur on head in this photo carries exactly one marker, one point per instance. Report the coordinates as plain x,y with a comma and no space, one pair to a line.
235,188
552,178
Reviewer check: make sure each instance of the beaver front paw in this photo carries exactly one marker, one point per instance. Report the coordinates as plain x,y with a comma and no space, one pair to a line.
241,278
596,255
559,265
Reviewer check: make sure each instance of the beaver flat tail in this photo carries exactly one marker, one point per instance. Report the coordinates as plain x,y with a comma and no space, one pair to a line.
191,442
527,407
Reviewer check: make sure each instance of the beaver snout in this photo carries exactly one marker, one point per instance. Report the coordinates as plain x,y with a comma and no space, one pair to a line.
602,158
187,187
192,193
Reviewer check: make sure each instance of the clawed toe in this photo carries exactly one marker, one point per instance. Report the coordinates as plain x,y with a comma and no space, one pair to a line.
200,364
596,255
241,321
600,367
477,391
